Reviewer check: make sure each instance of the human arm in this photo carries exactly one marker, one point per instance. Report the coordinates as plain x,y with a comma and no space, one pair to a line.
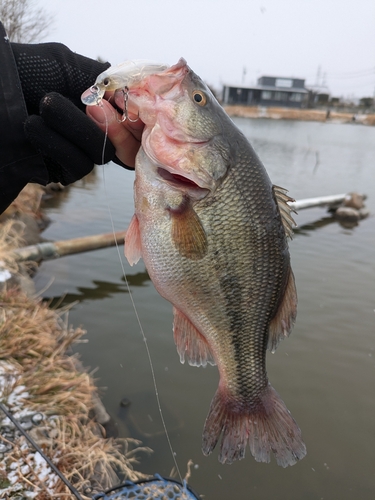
45,135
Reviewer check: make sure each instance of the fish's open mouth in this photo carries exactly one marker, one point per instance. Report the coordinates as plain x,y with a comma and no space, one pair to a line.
183,183
177,179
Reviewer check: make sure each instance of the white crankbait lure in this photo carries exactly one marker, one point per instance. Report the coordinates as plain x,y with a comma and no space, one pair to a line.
120,77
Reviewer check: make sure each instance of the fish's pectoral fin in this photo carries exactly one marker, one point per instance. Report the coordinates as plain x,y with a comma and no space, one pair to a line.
282,323
282,200
190,343
133,247
265,425
188,234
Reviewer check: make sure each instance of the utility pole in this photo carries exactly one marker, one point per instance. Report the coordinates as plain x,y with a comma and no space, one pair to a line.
318,76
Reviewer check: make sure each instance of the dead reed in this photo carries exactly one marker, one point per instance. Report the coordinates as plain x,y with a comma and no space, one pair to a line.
40,375
27,202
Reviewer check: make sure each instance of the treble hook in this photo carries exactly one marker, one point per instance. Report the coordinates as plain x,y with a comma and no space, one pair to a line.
125,114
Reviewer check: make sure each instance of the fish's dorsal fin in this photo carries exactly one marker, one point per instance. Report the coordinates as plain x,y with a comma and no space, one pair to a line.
190,343
282,323
285,210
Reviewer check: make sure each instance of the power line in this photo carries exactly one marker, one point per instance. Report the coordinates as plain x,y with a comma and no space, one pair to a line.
344,75
357,75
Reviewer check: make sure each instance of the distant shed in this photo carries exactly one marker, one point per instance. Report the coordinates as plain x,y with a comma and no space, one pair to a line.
270,91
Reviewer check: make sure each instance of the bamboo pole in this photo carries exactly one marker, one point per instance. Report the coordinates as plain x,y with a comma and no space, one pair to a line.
54,250
321,201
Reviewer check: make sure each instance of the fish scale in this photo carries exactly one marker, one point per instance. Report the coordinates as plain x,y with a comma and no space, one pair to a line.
212,231
244,326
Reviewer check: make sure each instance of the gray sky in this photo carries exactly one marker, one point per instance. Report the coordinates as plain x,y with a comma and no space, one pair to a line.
220,38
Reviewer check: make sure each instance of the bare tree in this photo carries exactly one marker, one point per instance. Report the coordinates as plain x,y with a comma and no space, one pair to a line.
23,22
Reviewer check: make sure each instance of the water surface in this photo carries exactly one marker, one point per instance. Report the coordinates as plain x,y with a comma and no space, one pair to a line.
325,372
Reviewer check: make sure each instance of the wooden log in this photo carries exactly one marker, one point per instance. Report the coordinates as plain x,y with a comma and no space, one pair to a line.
54,250
322,201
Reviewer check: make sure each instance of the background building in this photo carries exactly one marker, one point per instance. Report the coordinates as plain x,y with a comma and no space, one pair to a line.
270,91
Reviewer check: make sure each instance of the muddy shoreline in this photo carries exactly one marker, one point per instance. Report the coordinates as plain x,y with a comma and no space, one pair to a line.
316,115
44,386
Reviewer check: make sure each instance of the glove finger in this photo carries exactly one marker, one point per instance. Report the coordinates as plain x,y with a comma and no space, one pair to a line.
52,67
66,163
66,119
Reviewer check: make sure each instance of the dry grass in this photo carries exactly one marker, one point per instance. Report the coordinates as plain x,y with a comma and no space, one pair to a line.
276,113
90,462
296,114
39,374
370,120
10,239
32,333
27,202
34,340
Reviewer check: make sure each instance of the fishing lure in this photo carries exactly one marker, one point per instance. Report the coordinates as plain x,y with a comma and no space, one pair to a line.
119,78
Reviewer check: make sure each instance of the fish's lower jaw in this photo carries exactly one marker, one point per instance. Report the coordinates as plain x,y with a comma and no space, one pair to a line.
268,427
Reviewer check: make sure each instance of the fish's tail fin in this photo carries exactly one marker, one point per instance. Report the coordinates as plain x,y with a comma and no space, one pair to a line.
267,427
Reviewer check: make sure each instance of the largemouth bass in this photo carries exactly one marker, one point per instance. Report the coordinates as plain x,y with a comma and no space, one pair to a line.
212,231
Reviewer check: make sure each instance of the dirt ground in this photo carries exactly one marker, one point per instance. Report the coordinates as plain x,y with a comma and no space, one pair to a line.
300,114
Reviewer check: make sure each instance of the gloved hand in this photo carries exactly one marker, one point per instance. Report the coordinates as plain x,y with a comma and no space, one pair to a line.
53,79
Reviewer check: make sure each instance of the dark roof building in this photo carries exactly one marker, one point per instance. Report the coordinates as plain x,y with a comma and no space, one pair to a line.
270,91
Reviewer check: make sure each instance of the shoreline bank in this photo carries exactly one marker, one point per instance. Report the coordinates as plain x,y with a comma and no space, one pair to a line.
44,386
317,115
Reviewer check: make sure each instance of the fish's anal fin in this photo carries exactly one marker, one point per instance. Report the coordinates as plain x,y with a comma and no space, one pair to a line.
188,234
267,426
282,323
133,247
189,342
285,210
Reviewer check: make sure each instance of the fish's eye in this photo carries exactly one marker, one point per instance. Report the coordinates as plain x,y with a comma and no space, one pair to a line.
106,81
199,97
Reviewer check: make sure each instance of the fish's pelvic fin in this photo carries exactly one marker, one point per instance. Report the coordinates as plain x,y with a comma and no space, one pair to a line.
267,426
190,343
285,210
188,234
282,323
133,247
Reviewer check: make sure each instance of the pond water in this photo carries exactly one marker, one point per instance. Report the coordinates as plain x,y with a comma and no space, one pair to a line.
325,372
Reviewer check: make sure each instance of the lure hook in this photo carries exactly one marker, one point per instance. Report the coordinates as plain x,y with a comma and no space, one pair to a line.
125,114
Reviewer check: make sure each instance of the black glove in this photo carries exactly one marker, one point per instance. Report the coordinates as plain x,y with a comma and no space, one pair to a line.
53,79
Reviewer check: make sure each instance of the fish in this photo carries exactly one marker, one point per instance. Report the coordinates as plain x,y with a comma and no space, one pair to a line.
212,231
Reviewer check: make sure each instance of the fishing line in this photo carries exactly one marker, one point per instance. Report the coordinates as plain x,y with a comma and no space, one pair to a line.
137,315
104,143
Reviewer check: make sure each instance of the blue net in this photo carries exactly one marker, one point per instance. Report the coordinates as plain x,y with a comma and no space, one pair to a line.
157,488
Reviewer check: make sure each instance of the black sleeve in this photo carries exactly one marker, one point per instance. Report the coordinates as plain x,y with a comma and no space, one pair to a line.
45,134
20,163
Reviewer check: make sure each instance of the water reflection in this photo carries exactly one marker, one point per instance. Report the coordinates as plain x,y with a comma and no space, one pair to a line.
56,198
138,419
138,279
105,289
325,372
100,290
305,229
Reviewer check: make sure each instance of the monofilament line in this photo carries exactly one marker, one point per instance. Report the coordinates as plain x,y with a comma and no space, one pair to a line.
139,322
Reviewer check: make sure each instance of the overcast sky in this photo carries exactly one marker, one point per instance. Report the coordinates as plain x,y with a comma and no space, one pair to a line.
323,41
